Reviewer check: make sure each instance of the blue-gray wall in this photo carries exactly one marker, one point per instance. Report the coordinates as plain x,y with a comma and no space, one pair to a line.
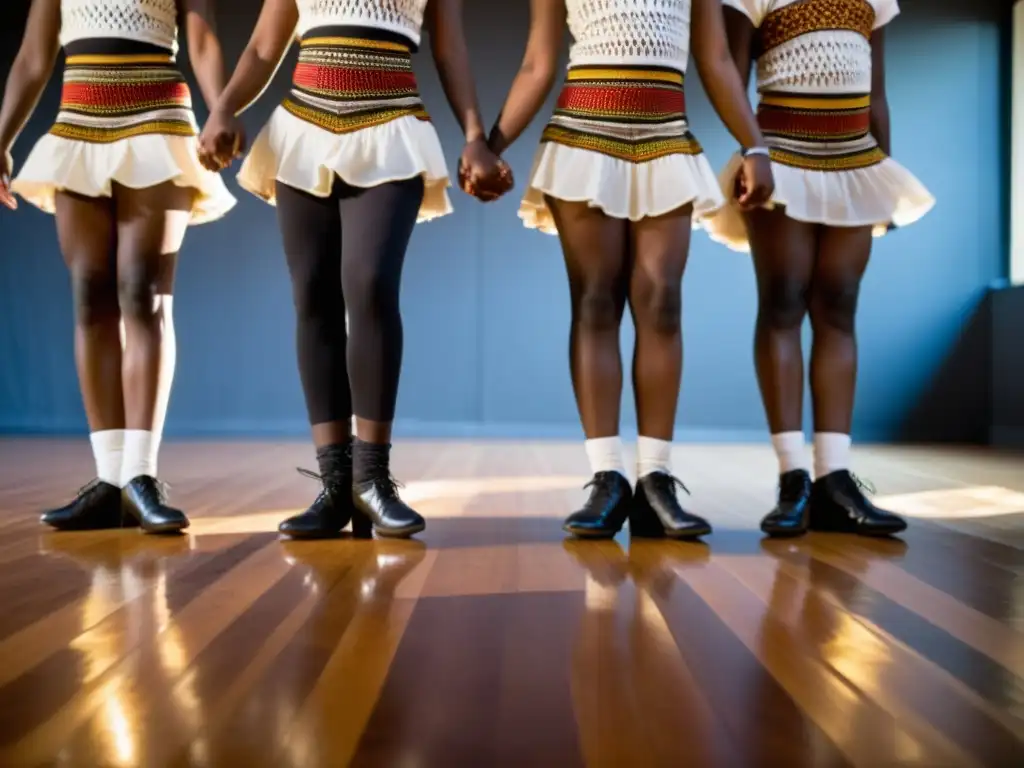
485,301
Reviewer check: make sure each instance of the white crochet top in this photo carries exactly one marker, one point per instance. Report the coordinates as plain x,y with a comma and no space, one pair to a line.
816,46
402,16
146,21
631,32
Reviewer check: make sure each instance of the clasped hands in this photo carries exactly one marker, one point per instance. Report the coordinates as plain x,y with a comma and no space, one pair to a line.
482,173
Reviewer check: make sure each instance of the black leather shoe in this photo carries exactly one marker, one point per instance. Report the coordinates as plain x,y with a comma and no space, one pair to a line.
792,513
327,516
656,512
838,505
97,506
378,507
145,500
606,510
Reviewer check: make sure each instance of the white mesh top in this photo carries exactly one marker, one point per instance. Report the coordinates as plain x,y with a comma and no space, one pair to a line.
147,21
822,47
402,16
636,32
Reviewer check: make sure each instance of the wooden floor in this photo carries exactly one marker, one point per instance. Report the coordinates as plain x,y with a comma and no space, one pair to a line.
491,641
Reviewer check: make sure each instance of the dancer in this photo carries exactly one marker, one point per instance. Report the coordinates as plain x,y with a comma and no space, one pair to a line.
618,177
821,80
352,162
119,170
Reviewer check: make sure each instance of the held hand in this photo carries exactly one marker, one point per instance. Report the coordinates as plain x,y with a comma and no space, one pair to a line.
6,196
755,184
221,141
482,173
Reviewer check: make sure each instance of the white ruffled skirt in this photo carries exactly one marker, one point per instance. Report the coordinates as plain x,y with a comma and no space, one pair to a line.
125,118
877,196
91,169
619,141
620,188
305,156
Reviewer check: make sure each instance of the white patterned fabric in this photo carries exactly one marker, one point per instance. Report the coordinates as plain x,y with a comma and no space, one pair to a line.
650,32
825,61
145,21
402,16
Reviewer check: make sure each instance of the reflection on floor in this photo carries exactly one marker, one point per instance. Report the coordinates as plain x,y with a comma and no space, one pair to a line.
491,641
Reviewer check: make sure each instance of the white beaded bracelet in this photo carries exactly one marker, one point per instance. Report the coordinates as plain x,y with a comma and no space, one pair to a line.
755,151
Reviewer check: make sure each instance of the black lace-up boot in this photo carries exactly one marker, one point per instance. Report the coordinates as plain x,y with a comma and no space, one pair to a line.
145,500
792,513
377,502
332,510
838,505
607,509
96,506
657,512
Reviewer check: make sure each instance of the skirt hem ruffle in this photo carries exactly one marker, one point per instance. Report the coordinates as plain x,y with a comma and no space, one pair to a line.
89,169
877,196
306,157
621,189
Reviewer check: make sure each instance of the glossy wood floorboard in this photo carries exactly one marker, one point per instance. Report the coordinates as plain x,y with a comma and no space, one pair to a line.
492,641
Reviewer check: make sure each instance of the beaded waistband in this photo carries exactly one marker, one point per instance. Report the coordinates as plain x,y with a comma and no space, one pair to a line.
107,97
343,84
819,132
629,113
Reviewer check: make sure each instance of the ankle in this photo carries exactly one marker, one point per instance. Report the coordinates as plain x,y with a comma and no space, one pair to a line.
370,461
335,464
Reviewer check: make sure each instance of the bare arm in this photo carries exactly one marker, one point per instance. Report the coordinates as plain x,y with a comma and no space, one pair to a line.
448,46
739,32
719,74
274,32
879,100
31,69
200,23
536,75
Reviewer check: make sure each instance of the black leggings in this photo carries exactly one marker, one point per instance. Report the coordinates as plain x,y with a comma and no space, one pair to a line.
346,251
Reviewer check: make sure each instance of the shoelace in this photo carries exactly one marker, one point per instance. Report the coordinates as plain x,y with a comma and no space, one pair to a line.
863,485
89,488
324,490
379,475
671,482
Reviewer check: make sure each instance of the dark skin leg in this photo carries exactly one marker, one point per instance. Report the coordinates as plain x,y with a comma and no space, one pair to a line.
597,260
151,226
660,246
843,254
87,234
784,252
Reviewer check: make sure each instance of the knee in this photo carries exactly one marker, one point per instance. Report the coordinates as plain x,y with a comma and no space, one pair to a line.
95,296
834,305
137,294
372,292
782,304
597,309
658,307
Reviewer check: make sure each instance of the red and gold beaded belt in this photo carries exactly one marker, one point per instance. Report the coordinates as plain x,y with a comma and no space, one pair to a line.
819,132
633,114
345,84
107,98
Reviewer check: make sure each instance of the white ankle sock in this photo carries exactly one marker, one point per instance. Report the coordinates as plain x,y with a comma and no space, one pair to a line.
108,451
653,455
605,454
831,453
792,451
140,453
